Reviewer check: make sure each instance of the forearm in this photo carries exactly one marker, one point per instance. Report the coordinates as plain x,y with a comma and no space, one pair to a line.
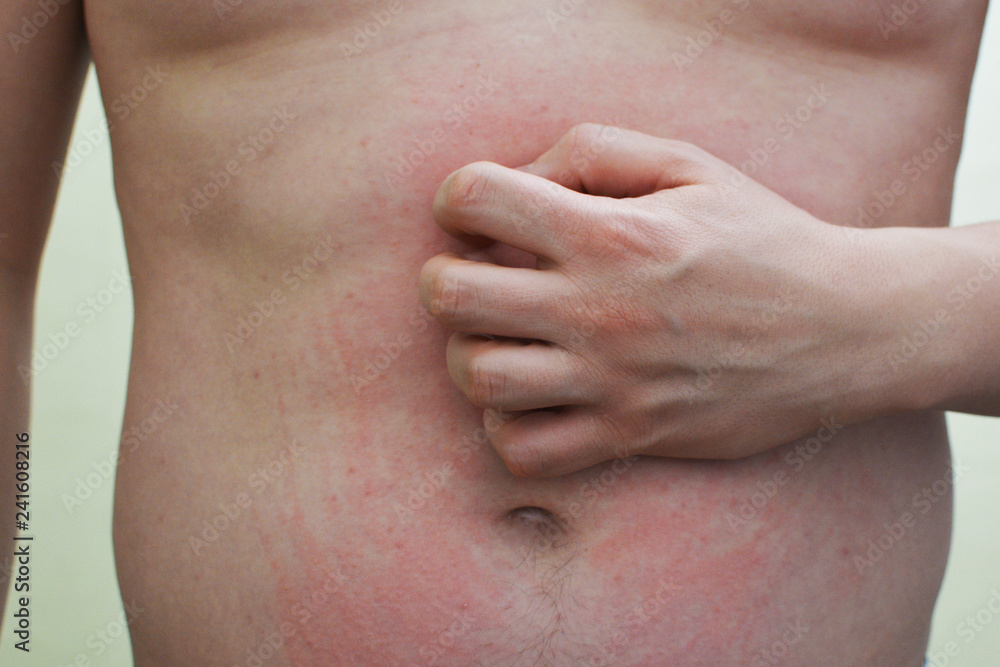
16,306
946,353
40,84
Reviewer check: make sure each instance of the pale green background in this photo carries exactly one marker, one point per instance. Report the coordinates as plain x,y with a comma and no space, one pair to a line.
78,404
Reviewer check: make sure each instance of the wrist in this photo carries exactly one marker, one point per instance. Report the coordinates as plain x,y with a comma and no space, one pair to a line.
892,307
928,352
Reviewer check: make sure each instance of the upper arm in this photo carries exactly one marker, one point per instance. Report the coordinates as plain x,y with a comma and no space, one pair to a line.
43,60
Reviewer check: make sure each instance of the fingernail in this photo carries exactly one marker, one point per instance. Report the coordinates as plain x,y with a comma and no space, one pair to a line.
476,257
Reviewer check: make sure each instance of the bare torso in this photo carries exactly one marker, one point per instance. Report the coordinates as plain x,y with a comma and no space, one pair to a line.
322,494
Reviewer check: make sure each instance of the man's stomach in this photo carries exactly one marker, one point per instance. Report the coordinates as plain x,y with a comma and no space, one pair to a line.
310,488
276,510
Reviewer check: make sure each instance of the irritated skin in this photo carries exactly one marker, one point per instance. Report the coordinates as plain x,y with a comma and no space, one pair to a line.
678,308
319,492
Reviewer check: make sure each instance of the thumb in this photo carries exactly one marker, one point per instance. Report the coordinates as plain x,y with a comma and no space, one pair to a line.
612,162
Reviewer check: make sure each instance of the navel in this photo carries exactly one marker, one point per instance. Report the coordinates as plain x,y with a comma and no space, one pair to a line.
538,526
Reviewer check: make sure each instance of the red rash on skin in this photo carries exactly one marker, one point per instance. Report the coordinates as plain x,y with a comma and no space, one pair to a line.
365,449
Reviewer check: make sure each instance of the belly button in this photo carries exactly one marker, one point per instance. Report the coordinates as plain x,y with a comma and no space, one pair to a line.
538,525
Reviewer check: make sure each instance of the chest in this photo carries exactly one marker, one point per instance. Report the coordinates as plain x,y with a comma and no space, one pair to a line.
199,24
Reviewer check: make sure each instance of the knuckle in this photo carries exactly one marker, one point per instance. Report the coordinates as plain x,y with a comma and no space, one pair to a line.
517,449
583,228
597,317
612,237
577,313
609,432
468,186
587,133
664,233
583,337
521,459
448,295
617,435
700,163
684,150
612,233
621,316
496,421
587,142
484,385
544,200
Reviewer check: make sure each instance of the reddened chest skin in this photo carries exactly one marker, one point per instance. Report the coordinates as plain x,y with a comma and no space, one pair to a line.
276,189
